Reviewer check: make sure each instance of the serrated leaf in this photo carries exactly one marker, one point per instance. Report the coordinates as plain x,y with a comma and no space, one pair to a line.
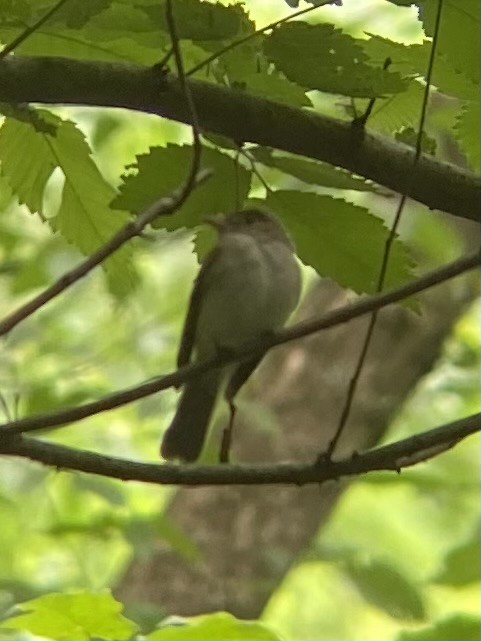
312,172
84,217
339,240
164,169
407,59
462,564
459,626
395,112
414,60
217,627
81,615
467,132
322,57
19,141
385,587
458,36
197,20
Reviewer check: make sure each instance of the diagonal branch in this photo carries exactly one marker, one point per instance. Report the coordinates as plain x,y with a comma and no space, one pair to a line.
331,319
163,206
242,117
395,456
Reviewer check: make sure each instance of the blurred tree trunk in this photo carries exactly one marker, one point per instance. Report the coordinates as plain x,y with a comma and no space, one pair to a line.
249,537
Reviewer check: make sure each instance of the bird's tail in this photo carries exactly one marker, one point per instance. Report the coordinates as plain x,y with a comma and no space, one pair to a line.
186,434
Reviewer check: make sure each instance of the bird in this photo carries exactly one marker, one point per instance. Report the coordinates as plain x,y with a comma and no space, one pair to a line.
247,287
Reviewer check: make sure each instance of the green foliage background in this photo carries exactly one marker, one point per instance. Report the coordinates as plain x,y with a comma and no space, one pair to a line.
71,177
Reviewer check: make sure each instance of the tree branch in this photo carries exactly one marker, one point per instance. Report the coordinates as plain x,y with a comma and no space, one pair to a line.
242,117
395,456
183,374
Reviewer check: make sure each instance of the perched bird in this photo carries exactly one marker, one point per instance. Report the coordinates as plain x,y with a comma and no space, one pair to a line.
247,287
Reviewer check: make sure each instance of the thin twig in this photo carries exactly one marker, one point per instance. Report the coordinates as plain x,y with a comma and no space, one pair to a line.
195,164
387,252
30,30
254,34
331,319
163,206
393,457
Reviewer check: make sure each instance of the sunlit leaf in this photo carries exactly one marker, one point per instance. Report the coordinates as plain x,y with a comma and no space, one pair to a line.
81,615
84,218
218,626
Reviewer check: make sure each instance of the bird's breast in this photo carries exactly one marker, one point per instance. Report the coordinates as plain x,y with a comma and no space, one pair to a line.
251,288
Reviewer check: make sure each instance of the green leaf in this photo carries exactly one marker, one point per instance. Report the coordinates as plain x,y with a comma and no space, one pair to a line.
196,20
18,141
84,217
385,587
164,169
395,112
461,565
458,626
76,13
273,87
414,60
406,59
15,10
26,113
339,240
459,33
322,57
218,626
312,172
80,615
119,33
467,132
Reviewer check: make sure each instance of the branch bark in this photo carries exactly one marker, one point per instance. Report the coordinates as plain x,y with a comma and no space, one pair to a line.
394,457
244,118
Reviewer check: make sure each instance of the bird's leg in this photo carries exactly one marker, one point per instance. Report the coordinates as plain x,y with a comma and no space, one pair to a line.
237,380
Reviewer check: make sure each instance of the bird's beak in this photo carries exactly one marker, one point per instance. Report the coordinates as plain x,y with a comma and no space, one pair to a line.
217,221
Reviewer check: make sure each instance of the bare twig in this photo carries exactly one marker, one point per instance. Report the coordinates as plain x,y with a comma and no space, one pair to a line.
190,182
254,34
395,456
30,30
174,379
351,391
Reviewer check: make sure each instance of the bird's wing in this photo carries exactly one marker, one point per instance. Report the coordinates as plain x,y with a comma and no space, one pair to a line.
190,324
